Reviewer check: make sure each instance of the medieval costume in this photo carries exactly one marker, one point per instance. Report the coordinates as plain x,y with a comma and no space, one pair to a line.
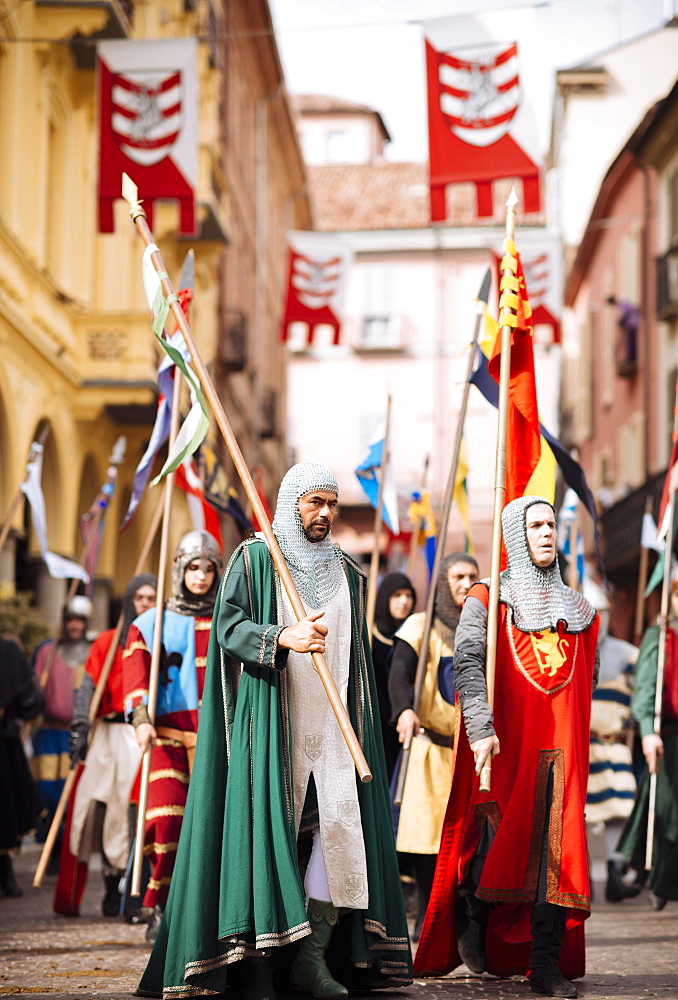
271,765
97,817
51,759
523,845
612,784
429,769
663,880
186,625
383,630
21,699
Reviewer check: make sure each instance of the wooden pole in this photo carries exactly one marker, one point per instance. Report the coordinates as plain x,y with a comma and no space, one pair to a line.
372,583
573,568
642,580
138,216
420,675
416,528
93,709
14,506
156,650
499,495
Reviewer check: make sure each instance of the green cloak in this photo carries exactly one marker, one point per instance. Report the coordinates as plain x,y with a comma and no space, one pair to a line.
236,885
663,880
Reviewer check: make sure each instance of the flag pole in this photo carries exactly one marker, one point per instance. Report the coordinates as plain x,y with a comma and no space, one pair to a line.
573,568
499,491
416,528
156,648
376,545
18,496
50,840
642,579
420,675
138,216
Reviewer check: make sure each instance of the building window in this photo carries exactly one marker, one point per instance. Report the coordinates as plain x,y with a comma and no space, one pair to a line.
380,332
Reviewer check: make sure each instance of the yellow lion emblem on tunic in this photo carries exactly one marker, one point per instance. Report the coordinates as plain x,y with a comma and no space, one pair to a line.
550,651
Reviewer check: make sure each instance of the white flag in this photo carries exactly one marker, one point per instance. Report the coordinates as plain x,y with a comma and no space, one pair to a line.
57,566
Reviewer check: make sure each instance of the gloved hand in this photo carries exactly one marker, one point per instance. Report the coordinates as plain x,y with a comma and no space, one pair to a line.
77,744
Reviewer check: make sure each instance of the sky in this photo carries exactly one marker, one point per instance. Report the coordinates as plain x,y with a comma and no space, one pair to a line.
372,51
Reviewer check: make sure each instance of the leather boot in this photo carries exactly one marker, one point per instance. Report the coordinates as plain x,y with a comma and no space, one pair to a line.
253,979
548,931
471,916
8,883
154,922
110,904
309,970
616,888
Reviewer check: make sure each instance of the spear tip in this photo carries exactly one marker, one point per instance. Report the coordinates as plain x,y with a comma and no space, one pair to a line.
130,191
512,199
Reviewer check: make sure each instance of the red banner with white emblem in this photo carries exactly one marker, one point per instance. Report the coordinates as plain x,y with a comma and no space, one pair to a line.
317,271
148,114
476,115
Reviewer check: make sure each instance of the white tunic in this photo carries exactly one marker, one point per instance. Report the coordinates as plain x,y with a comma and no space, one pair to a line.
319,748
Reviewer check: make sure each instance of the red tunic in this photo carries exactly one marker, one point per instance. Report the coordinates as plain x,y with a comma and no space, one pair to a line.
170,772
111,699
542,707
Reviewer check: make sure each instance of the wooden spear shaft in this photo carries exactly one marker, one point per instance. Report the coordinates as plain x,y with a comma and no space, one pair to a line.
642,581
574,569
156,650
376,547
499,496
138,216
93,709
416,528
420,675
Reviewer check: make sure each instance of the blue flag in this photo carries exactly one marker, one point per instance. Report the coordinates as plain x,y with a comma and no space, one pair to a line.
368,477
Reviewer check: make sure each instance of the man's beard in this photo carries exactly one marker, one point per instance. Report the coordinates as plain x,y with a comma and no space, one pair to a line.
314,527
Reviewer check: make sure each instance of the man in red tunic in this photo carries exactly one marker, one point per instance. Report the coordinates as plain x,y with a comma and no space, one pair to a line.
185,637
511,889
97,817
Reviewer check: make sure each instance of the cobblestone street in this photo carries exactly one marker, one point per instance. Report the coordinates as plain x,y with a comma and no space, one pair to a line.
631,950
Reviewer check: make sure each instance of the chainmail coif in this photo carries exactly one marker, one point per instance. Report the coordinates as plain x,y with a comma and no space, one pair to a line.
538,597
315,566
195,544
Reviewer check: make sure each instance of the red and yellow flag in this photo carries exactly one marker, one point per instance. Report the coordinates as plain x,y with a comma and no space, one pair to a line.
523,444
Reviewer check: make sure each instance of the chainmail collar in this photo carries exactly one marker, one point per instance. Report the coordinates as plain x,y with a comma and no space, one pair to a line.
538,597
315,566
74,652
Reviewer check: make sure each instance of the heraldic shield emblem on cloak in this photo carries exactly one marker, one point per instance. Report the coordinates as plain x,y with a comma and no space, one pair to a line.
313,746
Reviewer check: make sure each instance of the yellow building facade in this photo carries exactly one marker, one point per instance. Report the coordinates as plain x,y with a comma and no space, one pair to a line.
77,356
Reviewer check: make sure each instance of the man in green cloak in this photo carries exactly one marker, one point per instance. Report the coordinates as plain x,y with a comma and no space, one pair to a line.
273,782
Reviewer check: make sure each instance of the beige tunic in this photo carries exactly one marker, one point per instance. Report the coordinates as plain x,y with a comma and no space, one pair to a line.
429,771
319,748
